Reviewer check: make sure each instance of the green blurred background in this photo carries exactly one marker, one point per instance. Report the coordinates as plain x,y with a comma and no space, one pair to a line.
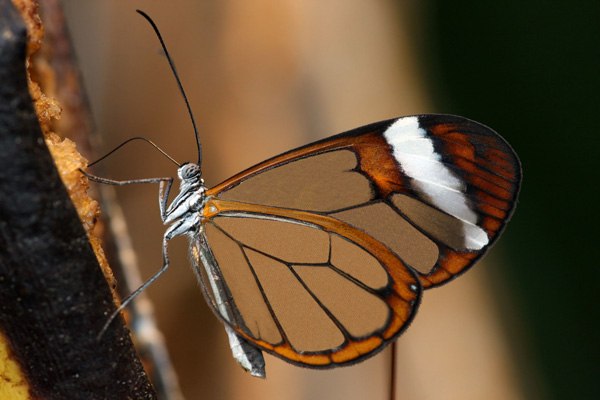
529,69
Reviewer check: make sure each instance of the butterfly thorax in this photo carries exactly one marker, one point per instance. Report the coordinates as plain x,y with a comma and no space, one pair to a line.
190,200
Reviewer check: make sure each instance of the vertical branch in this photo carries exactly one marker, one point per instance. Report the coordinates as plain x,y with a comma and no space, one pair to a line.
53,294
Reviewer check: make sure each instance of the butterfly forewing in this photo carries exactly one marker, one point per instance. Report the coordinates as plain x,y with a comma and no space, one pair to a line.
304,286
435,189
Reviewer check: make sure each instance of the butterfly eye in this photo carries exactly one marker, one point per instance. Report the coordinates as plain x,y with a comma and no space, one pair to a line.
189,172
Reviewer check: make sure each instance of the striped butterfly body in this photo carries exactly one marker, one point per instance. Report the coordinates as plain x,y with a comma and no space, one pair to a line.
319,256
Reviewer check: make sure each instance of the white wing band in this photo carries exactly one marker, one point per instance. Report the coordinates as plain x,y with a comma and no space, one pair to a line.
415,153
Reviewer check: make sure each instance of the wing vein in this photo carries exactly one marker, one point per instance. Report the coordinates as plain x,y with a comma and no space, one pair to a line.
257,281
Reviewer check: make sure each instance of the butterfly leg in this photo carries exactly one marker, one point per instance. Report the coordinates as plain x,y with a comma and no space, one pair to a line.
127,182
176,229
129,298
163,194
163,197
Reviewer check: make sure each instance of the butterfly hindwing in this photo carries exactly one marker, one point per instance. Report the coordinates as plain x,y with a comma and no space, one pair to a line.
303,286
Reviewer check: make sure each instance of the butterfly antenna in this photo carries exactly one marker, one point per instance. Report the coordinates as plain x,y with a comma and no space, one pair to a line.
172,65
132,139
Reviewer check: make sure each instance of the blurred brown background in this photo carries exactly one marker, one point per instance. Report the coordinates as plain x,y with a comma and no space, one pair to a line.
266,76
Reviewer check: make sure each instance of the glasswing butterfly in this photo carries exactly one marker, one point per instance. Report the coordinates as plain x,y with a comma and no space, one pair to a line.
320,255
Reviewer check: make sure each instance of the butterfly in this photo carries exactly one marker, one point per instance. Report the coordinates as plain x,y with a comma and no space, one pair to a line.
320,255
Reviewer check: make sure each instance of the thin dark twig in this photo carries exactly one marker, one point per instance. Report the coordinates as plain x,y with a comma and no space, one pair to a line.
393,371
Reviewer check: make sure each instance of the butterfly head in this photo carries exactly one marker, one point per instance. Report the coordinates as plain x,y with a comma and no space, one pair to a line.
189,172
190,175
